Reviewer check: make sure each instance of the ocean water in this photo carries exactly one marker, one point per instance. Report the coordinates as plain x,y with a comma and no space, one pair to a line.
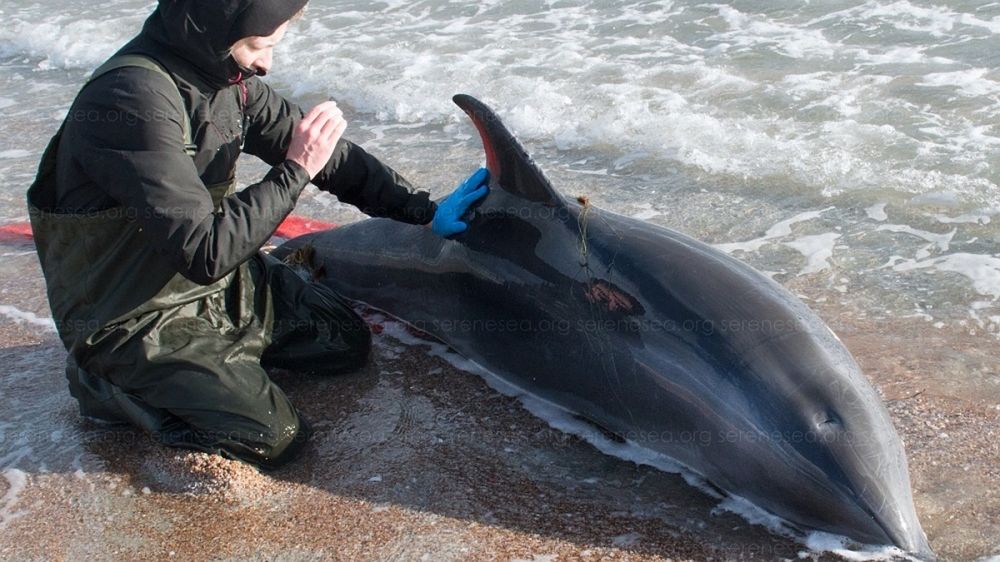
849,149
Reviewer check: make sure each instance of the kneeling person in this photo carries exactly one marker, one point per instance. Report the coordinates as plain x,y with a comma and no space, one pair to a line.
151,258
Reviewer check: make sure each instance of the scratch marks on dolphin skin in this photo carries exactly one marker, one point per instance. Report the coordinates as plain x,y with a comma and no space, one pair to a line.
608,296
612,299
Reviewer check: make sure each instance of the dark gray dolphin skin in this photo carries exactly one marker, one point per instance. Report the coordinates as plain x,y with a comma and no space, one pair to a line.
649,334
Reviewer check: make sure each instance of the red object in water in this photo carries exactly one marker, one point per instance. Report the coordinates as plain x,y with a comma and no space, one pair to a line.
292,226
297,226
15,232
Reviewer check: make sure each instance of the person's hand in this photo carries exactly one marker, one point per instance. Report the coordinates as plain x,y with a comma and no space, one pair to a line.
315,137
448,218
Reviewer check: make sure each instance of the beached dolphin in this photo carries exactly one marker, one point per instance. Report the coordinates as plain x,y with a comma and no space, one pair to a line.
650,334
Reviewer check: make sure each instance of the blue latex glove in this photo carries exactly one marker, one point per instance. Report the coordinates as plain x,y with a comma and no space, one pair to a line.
448,218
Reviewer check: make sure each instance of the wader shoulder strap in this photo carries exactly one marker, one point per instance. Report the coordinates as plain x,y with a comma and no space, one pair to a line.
148,63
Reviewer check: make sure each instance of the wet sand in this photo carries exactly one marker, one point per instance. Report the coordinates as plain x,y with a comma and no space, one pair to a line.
414,459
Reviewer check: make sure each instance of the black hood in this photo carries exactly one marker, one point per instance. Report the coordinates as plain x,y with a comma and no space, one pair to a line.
200,32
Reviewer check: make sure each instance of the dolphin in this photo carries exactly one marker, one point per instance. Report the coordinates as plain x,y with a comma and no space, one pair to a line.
648,334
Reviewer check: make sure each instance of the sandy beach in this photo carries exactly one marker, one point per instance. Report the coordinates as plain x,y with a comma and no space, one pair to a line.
415,459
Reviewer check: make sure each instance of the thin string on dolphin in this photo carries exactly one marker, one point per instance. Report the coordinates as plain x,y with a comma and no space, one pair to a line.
605,302
582,224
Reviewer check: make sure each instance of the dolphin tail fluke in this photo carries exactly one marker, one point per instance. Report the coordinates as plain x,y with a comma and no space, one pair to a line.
511,169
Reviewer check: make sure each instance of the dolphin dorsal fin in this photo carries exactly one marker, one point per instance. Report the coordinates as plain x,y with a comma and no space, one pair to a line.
511,169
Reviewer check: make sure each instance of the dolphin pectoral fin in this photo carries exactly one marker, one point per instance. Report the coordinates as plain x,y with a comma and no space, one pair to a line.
510,167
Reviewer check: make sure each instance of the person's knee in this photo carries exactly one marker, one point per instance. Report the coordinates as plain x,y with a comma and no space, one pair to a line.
237,418
269,448
291,447
284,449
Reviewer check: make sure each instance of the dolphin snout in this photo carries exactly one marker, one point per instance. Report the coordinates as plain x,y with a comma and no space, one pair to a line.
905,532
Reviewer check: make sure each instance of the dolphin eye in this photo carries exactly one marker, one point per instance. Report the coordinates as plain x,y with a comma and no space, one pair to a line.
828,420
828,426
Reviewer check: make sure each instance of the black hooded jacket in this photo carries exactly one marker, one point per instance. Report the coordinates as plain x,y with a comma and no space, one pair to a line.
122,145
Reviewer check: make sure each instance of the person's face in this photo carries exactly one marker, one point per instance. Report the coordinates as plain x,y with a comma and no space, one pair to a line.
257,52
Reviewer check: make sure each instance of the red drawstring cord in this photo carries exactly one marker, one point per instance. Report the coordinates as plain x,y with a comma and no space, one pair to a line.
238,80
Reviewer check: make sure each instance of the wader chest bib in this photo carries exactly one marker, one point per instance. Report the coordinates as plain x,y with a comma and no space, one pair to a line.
116,275
179,359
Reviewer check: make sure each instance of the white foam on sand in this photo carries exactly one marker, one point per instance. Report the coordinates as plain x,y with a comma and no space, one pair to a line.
815,541
14,153
818,541
818,249
983,271
942,241
980,217
17,254
17,480
19,316
754,515
537,558
645,212
877,212
779,230
942,198
626,540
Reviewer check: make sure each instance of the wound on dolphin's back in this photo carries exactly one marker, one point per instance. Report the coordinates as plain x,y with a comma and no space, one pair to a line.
611,298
